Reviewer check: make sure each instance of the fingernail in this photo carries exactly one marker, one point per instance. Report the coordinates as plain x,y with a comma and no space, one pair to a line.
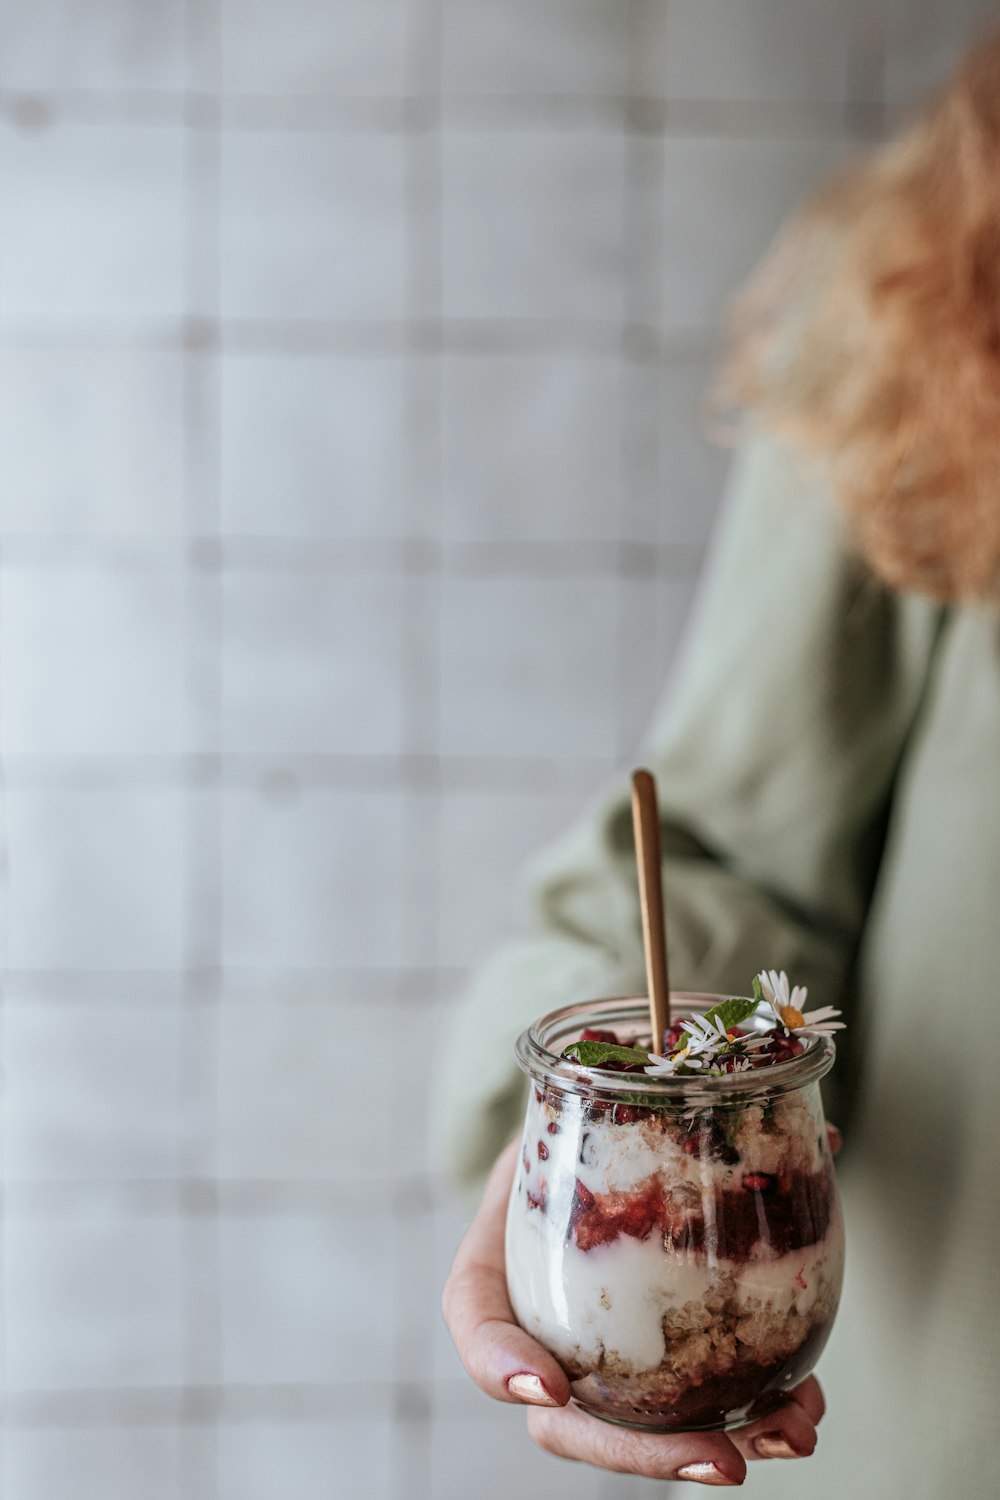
771,1445
529,1388
704,1474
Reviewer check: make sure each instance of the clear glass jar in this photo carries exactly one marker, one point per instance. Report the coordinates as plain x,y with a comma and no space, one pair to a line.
677,1243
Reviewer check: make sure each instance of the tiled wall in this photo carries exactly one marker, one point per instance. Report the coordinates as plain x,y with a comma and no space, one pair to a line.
352,497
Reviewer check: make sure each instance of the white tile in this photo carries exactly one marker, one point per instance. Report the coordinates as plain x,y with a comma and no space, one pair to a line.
91,1303
448,1225
91,661
692,467
481,1436
348,47
105,1463
769,50
510,828
91,1092
527,667
412,1024
536,47
533,225
334,901
312,446
312,225
654,615
265,1461
117,467
724,201
307,1297
923,43
313,663
95,877
532,447
94,224
56,44
290,1102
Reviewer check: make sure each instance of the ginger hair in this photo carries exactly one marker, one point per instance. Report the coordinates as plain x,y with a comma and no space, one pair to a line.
870,339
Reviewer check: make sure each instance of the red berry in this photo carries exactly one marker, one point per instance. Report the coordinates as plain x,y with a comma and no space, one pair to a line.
543,1151
758,1182
673,1037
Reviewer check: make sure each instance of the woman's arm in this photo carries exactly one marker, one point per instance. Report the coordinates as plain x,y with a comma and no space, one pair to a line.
775,754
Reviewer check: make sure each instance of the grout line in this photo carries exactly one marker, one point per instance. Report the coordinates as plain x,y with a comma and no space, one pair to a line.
103,989
200,1404
421,897
279,776
199,1059
366,338
408,556
210,110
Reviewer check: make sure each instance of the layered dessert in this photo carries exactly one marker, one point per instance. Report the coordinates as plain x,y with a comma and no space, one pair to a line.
680,1249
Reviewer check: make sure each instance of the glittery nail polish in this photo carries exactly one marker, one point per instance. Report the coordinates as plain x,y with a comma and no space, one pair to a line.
525,1387
704,1474
773,1445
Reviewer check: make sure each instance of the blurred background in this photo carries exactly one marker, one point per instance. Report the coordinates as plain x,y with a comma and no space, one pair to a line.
353,497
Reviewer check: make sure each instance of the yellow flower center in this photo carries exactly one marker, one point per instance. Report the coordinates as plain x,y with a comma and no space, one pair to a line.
791,1017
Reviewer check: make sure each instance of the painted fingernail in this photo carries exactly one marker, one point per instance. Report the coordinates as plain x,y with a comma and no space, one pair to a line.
771,1445
704,1474
529,1388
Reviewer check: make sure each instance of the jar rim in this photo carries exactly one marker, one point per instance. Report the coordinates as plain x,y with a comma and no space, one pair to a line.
535,1058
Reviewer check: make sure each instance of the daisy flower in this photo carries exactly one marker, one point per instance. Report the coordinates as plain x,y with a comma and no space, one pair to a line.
785,1004
705,1035
666,1067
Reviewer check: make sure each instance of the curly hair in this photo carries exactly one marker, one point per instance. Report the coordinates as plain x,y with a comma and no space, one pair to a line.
870,339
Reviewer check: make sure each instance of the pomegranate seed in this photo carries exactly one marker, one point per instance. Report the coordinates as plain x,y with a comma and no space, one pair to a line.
595,1034
543,1151
758,1182
553,1127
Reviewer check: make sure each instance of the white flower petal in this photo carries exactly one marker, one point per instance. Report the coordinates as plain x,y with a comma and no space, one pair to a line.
824,1013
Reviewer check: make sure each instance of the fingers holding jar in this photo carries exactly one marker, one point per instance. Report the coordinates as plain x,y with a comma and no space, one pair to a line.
700,1457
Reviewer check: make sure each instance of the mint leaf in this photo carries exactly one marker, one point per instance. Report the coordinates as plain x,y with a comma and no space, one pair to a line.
596,1054
733,1012
758,990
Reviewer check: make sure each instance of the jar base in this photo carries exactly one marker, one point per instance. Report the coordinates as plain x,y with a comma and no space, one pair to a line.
663,1426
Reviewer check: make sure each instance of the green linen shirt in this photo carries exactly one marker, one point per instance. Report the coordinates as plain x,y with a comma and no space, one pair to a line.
828,761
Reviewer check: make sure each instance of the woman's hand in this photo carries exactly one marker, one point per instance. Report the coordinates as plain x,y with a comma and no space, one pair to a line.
509,1365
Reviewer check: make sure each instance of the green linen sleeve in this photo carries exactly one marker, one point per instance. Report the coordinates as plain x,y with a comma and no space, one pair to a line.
775,752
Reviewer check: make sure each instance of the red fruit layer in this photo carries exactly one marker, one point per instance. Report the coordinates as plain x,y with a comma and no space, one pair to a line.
786,1213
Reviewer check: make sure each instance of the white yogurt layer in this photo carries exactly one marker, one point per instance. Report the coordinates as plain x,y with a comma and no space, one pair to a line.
613,1297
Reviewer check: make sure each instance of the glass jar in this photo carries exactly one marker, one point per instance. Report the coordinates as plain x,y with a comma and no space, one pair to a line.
677,1243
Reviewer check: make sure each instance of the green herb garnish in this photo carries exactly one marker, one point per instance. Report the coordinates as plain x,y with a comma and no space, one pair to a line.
596,1054
732,1012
